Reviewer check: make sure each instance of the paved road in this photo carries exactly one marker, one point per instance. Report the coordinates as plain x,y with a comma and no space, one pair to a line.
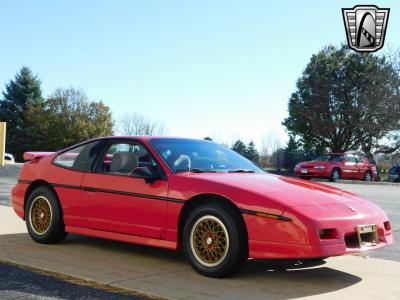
8,178
17,283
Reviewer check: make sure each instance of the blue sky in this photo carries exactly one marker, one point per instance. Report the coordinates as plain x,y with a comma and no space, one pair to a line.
207,68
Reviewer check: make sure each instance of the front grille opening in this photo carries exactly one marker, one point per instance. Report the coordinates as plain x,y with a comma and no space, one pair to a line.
367,239
351,240
359,240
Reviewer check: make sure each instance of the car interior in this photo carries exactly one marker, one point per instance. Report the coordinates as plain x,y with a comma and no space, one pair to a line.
124,159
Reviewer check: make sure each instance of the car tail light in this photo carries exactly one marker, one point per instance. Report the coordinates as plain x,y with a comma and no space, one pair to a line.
329,233
387,225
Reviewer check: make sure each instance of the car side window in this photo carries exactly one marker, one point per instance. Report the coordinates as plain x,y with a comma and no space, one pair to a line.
124,158
338,158
351,159
80,158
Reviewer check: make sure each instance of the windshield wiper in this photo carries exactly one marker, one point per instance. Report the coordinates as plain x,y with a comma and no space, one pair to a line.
195,170
241,171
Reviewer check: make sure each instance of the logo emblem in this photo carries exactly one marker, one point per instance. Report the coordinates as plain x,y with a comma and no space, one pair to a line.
351,208
365,27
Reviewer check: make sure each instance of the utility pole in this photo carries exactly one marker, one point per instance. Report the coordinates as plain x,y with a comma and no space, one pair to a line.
2,142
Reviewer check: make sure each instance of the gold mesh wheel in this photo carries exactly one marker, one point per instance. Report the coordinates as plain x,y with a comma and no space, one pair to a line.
40,215
209,241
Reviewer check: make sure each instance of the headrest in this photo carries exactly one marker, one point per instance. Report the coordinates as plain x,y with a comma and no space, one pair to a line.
123,162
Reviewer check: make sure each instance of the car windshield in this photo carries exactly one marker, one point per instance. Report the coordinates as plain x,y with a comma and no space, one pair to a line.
186,155
337,158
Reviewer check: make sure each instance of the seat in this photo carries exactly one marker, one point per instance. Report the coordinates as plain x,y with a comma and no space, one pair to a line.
123,163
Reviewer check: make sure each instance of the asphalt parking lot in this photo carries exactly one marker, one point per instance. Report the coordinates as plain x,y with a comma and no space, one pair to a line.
161,273
18,283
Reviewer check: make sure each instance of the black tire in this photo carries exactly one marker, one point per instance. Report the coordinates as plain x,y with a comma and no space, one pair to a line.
236,245
368,176
54,230
305,178
335,175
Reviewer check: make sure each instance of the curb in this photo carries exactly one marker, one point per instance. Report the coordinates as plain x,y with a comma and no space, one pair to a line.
359,182
369,182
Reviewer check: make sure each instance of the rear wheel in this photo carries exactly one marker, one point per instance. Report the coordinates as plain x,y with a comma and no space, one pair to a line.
368,176
43,217
335,175
214,240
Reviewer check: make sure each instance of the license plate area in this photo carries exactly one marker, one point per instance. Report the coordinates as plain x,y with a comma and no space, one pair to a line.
303,171
367,235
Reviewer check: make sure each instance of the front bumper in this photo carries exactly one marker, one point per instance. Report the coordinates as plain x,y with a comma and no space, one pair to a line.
269,250
311,172
274,239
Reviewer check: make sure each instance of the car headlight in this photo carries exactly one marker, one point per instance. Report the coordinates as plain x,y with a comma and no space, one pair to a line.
319,167
297,166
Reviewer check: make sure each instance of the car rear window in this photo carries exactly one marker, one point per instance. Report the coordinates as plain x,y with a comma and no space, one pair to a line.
80,158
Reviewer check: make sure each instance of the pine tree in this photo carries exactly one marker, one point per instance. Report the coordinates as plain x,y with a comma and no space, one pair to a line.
291,154
20,94
251,152
240,147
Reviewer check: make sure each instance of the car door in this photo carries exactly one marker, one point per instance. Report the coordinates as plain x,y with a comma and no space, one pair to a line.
349,168
67,171
118,202
363,167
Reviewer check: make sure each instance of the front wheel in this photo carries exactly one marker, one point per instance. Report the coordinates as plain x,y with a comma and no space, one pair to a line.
44,217
214,240
368,176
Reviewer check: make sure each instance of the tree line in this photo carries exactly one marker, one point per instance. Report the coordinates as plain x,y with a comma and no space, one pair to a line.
64,118
52,123
347,101
344,101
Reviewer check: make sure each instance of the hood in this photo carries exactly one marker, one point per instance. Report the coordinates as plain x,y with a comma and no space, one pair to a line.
286,190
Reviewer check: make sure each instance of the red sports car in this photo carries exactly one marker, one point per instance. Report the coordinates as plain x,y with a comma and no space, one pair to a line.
336,166
197,195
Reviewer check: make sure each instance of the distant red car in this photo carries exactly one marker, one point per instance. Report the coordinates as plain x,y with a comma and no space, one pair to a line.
192,194
337,166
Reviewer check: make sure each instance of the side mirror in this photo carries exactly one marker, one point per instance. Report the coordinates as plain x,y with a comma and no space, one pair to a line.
149,173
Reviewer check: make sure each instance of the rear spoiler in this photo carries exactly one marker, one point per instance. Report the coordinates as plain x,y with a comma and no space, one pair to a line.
36,155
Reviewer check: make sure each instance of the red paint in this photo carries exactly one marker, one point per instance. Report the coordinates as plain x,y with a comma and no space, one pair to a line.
132,218
35,155
348,169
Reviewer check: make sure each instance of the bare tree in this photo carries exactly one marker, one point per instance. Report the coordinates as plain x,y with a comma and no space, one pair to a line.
138,124
270,144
